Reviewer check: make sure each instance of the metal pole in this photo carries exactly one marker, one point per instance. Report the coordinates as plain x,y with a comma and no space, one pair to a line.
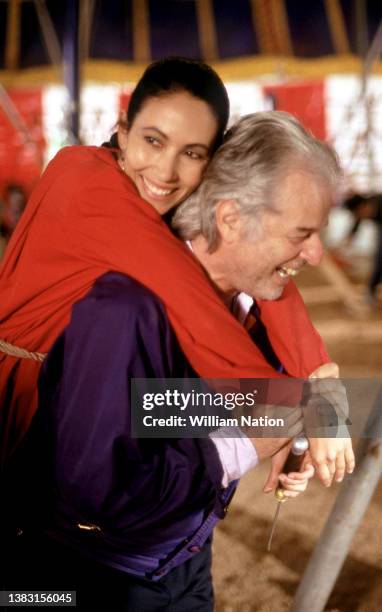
71,66
49,34
330,552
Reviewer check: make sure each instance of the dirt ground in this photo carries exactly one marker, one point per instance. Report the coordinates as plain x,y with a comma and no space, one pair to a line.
246,577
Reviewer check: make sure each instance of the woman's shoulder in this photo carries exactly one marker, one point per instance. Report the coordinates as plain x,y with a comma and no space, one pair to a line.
81,157
77,168
82,179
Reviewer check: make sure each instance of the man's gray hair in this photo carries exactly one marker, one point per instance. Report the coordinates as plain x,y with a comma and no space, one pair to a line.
257,152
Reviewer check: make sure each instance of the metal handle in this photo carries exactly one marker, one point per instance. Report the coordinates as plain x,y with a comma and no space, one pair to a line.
293,463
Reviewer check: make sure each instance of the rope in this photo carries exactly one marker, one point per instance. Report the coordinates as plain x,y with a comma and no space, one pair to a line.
16,351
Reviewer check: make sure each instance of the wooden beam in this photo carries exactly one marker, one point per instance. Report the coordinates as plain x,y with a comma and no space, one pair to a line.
360,27
207,30
281,28
12,45
141,31
337,26
270,22
72,69
261,25
86,21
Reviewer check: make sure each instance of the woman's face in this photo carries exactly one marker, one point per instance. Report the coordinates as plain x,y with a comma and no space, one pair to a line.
167,148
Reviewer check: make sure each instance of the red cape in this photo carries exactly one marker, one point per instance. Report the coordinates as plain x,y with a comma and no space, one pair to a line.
84,218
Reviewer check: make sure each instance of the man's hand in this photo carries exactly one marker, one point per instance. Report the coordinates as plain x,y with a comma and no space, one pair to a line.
332,457
268,447
277,464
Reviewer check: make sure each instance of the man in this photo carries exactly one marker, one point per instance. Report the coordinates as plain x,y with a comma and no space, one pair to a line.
368,207
256,220
131,519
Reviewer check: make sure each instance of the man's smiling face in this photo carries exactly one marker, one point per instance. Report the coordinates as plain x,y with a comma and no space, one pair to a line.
266,256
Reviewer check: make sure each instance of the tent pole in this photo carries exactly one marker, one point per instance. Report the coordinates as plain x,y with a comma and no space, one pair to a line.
355,494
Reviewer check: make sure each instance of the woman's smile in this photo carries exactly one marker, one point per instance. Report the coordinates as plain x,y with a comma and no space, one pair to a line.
167,148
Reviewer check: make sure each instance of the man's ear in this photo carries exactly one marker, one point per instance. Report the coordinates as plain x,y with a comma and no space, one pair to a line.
228,220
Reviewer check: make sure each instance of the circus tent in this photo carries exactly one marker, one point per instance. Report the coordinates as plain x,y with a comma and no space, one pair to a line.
303,57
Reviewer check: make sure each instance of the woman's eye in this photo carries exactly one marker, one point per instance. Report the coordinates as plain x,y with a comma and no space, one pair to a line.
152,141
193,155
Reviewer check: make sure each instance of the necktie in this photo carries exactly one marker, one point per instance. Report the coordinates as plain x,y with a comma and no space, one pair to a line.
258,332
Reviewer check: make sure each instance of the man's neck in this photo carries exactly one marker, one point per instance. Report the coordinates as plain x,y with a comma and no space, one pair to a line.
214,266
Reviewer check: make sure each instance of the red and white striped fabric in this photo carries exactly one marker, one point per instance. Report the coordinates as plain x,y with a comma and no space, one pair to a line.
331,108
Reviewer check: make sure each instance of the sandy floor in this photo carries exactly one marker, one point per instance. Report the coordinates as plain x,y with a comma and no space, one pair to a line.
246,577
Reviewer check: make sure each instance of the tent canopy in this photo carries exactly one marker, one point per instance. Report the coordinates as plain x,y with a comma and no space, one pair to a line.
319,37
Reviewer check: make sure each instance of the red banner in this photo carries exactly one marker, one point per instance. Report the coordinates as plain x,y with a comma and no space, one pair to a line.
303,100
22,141
124,99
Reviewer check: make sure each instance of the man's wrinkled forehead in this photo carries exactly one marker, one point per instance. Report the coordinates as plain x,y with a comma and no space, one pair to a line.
301,194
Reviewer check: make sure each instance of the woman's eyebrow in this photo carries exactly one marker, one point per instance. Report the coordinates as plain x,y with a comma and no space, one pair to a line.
152,128
197,144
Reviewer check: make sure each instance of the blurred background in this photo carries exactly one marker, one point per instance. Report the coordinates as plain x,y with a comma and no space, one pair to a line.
66,72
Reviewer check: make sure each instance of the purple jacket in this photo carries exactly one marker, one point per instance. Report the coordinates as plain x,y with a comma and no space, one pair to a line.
135,504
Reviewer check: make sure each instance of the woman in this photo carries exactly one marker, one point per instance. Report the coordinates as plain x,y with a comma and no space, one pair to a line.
95,211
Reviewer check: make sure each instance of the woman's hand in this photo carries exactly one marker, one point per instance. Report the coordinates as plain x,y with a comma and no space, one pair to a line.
327,370
331,457
294,483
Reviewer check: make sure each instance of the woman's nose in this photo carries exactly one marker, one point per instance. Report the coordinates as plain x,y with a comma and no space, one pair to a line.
167,167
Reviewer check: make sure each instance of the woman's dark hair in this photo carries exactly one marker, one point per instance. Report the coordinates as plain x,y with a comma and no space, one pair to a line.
174,74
